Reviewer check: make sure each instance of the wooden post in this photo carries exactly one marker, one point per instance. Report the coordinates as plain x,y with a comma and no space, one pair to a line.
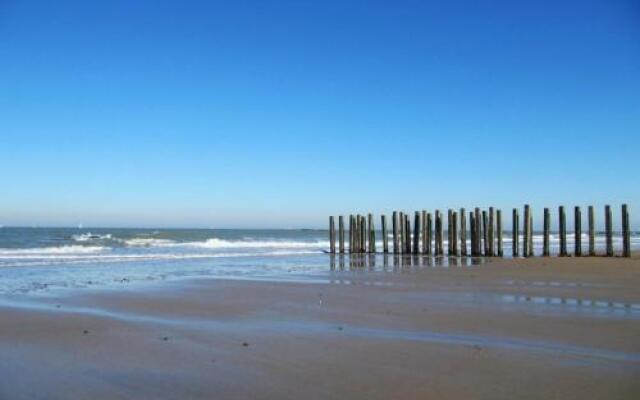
449,232
407,235
472,233
490,234
372,234
341,233
355,235
402,232
577,231
515,233
429,236
396,238
546,225
456,234
608,230
332,235
499,232
530,233
363,235
463,232
626,232
592,232
478,225
351,233
416,233
439,238
408,224
424,232
435,233
525,243
485,232
562,230
385,237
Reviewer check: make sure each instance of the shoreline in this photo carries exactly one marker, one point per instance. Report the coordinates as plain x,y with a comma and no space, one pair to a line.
496,330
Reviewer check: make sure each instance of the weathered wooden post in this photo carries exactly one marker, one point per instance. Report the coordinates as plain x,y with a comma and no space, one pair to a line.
372,234
478,225
423,217
485,232
439,238
515,231
407,224
626,232
429,237
385,237
332,235
416,233
341,233
354,234
402,232
407,221
490,234
608,230
449,232
472,233
546,224
360,230
577,231
363,234
562,230
525,243
454,235
351,233
463,232
396,239
499,232
592,232
530,233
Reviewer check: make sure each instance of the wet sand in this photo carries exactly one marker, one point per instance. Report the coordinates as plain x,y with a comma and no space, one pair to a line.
507,329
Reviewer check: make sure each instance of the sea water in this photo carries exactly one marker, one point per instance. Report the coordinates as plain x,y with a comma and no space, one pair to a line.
43,259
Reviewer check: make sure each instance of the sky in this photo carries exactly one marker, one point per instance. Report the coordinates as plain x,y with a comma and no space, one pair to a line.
280,113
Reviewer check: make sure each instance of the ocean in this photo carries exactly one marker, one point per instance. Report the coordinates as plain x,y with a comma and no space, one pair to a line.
38,260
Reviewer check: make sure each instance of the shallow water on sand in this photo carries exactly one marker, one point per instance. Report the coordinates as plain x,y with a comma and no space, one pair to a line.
38,260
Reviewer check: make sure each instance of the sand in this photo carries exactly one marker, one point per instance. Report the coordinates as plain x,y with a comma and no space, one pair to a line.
508,329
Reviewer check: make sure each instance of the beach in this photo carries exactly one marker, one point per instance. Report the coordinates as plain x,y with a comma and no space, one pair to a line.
416,329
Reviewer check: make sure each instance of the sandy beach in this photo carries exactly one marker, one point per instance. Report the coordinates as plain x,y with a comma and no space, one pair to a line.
506,329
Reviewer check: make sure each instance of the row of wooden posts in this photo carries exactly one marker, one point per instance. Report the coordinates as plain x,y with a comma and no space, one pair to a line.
485,231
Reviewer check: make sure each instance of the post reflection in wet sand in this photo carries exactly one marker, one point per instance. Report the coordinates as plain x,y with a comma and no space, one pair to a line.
372,262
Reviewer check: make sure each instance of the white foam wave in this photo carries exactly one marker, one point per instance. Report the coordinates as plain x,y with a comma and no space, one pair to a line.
215,243
39,259
60,250
149,242
85,237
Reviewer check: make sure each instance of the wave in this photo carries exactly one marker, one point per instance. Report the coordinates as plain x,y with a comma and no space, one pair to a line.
60,250
148,242
39,260
85,237
215,243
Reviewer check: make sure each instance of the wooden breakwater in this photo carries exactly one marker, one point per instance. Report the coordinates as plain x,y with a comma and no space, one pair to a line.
485,232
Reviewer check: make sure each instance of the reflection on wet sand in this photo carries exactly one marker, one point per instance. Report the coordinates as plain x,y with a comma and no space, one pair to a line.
397,261
570,302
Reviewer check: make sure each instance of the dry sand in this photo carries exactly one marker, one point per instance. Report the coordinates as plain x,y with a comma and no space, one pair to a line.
508,329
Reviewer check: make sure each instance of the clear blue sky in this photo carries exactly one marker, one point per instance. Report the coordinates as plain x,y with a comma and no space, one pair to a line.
277,114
